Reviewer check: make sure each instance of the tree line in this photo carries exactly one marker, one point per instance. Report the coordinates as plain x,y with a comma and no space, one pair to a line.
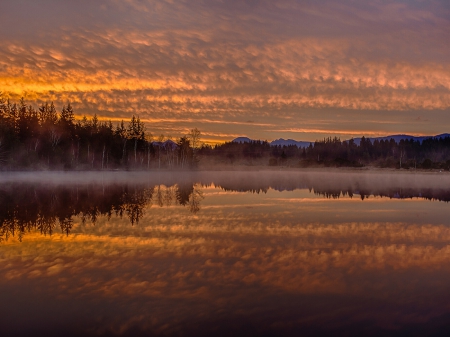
43,138
431,153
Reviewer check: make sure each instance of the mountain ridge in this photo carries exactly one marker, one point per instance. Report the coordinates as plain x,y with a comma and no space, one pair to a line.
301,144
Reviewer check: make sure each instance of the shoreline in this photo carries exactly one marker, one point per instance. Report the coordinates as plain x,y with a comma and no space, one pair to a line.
110,174
237,168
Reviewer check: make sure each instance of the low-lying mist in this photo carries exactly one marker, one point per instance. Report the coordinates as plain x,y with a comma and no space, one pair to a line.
332,183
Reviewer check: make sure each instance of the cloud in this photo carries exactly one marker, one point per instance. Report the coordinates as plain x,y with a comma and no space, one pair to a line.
234,60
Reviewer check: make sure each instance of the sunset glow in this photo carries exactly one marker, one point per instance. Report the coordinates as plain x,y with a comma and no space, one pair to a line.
262,69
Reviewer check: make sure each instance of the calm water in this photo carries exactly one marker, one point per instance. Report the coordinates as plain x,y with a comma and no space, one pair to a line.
220,254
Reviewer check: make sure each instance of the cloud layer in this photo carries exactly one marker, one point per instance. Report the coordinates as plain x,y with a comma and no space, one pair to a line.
286,64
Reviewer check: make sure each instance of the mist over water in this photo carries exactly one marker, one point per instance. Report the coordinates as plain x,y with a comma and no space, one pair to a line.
282,253
366,181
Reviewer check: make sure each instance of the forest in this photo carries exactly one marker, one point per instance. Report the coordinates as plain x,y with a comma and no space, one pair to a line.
431,153
44,138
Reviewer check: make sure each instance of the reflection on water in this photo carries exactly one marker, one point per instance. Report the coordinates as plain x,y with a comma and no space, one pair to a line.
25,207
263,254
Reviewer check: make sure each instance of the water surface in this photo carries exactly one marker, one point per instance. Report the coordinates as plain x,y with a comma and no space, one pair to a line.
225,253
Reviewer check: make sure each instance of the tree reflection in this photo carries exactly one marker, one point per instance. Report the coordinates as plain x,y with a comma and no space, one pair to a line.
27,207
45,207
394,193
195,198
334,186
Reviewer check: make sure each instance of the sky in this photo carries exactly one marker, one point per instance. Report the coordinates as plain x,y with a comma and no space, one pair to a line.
264,69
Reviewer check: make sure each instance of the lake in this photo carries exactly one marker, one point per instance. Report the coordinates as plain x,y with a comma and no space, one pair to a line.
276,253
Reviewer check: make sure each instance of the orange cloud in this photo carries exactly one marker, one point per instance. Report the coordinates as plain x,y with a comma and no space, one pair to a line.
246,67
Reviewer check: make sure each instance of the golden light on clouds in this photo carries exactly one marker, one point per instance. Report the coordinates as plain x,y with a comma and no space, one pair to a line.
241,61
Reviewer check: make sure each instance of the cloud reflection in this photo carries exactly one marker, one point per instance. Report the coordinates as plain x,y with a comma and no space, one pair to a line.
244,254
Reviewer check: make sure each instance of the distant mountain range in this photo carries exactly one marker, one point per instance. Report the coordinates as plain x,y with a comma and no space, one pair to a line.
168,144
398,138
288,142
276,142
301,144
